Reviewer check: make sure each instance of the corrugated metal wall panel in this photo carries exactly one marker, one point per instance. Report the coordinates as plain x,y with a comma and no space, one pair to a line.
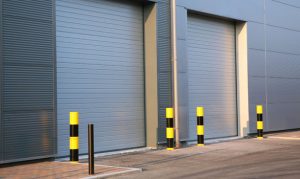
100,72
32,137
212,75
1,88
164,65
28,102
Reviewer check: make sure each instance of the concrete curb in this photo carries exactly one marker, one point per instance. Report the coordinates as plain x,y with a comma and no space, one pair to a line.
212,141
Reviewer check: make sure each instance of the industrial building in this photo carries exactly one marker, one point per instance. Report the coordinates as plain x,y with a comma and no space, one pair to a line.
111,60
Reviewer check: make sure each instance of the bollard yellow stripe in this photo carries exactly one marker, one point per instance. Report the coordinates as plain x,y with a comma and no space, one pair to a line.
74,118
200,130
170,133
74,142
259,109
200,111
169,113
260,125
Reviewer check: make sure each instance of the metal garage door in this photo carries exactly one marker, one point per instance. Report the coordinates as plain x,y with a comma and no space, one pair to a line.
212,75
100,72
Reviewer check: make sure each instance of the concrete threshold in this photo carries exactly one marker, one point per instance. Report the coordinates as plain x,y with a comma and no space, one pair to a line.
119,152
218,140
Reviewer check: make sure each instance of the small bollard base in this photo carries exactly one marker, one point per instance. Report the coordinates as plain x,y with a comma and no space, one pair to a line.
170,149
260,138
200,145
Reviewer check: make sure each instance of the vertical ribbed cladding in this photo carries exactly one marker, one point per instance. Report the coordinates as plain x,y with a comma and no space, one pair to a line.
28,120
164,65
1,85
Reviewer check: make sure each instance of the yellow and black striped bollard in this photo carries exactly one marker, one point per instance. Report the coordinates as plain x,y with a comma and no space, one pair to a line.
170,128
74,136
260,123
200,126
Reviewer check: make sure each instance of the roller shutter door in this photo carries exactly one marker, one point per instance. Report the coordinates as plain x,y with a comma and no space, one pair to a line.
100,72
212,75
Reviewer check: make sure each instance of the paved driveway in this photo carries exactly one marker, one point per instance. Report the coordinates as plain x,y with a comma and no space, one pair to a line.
278,156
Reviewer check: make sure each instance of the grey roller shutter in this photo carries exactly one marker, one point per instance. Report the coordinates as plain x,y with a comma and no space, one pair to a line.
212,75
100,72
28,113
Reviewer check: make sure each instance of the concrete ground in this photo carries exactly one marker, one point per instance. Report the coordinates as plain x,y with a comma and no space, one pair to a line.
277,156
58,170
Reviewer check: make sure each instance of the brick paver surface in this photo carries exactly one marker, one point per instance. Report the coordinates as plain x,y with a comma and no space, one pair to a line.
49,170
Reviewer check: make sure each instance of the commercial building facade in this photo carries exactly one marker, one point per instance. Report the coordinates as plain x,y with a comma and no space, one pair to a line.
111,62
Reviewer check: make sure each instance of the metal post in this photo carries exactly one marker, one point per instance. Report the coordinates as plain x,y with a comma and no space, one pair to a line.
174,70
200,126
91,149
74,136
260,123
170,128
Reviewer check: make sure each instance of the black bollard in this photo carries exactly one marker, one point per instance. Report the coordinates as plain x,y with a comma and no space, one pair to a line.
91,149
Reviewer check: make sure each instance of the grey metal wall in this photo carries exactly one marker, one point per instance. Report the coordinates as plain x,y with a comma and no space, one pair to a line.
100,72
164,65
273,53
28,54
211,74
1,86
282,34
